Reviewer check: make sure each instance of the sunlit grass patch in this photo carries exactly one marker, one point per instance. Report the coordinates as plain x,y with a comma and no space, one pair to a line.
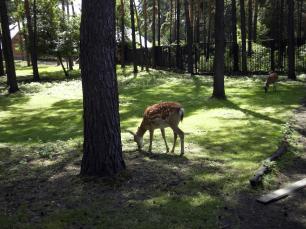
225,141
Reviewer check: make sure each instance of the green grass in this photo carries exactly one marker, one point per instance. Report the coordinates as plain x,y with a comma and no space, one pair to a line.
225,142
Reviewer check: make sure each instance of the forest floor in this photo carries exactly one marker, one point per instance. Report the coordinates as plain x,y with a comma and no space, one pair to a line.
226,141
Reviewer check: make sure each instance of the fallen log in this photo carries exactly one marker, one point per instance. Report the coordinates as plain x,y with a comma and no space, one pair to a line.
257,178
283,192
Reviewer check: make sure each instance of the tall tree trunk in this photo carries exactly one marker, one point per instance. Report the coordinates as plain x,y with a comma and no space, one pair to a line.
73,10
21,44
32,38
122,35
102,154
178,23
250,18
291,43
281,34
68,9
235,48
145,6
2,73
189,37
255,20
171,19
139,33
7,49
154,33
158,23
243,37
27,44
133,36
300,19
218,91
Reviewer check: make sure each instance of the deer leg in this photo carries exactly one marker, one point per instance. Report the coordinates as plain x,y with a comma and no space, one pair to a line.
174,142
181,135
151,139
164,137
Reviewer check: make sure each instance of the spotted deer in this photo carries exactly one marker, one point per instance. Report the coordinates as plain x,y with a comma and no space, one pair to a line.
272,79
161,116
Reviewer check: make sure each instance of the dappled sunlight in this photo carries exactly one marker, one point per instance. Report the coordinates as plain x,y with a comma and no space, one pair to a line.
225,141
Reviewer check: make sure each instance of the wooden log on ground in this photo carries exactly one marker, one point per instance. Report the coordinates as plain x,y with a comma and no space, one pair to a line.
283,192
256,179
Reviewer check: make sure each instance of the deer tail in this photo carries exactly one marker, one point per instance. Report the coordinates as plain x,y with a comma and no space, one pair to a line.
181,113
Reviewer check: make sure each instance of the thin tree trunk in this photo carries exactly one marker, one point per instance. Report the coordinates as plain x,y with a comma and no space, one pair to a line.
243,37
27,44
102,154
255,20
250,18
291,43
60,60
2,73
139,33
171,19
32,38
178,54
145,5
218,91
235,48
7,49
158,23
154,33
189,37
122,35
133,36
73,10
281,34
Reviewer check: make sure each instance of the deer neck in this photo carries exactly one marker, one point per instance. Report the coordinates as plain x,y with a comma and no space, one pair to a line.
141,130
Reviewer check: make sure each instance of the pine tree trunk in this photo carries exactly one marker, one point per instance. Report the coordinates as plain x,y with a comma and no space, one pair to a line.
235,47
133,36
291,43
27,45
171,19
153,33
178,23
281,34
102,154
139,33
243,37
255,21
158,23
73,10
7,49
145,6
32,38
2,73
122,35
218,91
189,37
250,29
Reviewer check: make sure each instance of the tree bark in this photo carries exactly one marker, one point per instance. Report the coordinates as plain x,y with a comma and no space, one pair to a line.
255,21
135,70
102,141
145,6
2,73
158,23
243,37
189,37
281,34
218,91
291,43
154,33
7,49
122,27
178,23
235,47
250,18
139,33
32,38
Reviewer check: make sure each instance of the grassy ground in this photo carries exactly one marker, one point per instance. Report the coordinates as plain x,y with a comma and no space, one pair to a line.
40,152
